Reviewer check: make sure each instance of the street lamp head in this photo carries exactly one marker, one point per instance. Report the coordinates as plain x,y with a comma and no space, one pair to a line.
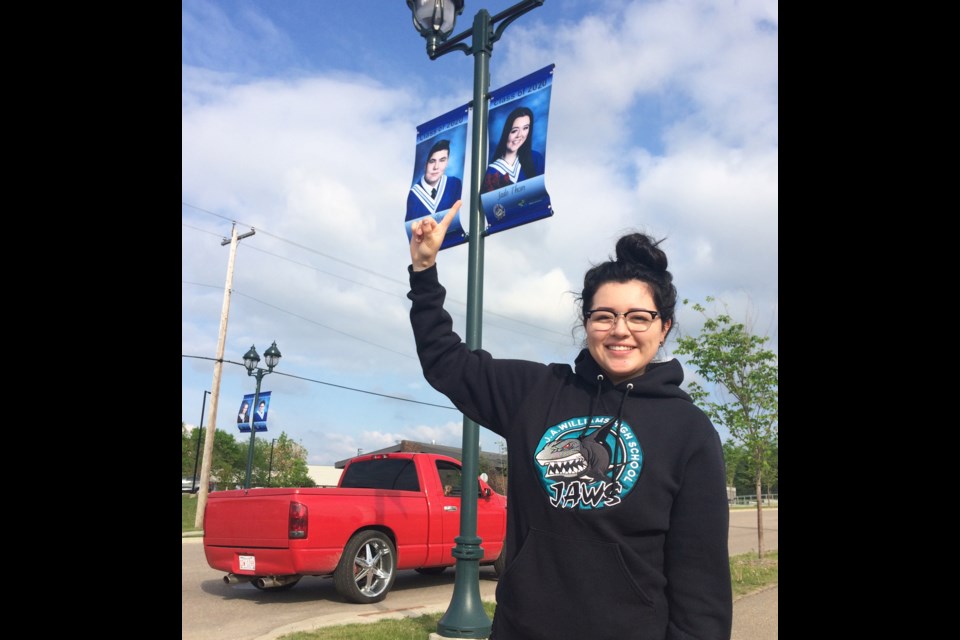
435,19
272,356
251,359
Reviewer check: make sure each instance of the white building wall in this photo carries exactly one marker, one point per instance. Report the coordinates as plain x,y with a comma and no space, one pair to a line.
324,476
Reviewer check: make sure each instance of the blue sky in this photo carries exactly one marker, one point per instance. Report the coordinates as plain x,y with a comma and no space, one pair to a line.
298,119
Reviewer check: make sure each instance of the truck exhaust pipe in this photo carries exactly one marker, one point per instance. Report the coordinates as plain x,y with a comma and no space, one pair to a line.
270,582
232,578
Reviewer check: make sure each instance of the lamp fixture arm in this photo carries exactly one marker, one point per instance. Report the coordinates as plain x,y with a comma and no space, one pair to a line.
511,14
486,39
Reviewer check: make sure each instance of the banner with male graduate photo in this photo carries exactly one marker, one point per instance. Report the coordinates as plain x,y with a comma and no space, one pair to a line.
438,174
258,412
513,192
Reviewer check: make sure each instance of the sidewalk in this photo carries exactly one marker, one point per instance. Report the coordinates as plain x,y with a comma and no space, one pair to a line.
755,616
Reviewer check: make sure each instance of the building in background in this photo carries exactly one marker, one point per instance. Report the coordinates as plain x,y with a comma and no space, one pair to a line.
496,461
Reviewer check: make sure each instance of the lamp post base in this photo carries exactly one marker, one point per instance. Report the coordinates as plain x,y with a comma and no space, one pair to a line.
466,617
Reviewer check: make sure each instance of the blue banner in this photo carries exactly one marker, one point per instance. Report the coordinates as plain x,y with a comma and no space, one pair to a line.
438,173
513,192
255,414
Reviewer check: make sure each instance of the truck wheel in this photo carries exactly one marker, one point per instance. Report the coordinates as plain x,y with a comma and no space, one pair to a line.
367,568
500,562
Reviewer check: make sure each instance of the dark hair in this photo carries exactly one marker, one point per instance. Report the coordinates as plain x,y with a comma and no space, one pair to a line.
439,145
638,258
524,152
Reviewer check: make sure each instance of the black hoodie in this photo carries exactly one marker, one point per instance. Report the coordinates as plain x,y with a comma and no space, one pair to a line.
617,515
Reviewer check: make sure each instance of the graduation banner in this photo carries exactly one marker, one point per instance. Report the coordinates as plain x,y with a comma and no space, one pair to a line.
258,413
438,174
513,191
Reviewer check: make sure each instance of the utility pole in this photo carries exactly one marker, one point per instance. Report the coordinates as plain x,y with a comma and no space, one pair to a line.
217,370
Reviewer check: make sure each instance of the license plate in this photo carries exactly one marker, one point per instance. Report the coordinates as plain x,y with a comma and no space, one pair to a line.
248,563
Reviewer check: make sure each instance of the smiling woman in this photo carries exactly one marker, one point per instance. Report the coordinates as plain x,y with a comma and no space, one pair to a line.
587,434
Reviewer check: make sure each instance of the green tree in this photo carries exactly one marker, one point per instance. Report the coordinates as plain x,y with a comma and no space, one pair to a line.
289,464
186,458
227,467
733,456
745,399
772,470
228,464
277,462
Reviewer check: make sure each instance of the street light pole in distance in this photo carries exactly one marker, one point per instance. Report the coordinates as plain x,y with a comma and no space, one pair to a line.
196,460
250,360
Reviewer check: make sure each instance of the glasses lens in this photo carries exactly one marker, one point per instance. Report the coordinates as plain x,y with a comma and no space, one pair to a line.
636,320
602,320
639,320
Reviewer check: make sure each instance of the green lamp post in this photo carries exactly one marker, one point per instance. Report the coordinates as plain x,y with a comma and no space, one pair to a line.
435,21
250,360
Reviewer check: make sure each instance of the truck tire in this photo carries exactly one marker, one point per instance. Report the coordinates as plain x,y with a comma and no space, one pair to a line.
367,568
500,562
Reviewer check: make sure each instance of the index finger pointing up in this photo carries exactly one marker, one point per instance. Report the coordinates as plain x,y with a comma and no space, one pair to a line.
447,219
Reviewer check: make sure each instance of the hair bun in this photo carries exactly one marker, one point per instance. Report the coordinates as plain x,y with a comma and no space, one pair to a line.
638,248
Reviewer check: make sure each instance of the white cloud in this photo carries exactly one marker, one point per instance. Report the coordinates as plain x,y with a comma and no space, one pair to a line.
663,119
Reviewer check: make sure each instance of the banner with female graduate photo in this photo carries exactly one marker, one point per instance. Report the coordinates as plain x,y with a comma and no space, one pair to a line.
513,191
438,173
258,412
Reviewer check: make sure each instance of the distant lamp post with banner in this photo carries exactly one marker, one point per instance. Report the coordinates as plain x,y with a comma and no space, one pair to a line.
250,360
435,20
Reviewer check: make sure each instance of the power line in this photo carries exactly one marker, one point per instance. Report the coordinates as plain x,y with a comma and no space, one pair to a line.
538,327
304,247
328,273
330,384
325,326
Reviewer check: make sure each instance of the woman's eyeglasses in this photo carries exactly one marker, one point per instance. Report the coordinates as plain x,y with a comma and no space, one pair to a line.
604,319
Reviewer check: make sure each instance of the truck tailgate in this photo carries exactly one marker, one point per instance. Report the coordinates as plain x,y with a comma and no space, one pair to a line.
257,519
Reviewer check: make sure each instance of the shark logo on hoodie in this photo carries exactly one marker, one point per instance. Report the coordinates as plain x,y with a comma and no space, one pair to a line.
589,466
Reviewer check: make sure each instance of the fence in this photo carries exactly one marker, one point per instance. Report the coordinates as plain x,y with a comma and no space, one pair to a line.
769,500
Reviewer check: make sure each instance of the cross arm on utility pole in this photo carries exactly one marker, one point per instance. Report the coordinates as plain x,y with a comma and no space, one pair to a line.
227,241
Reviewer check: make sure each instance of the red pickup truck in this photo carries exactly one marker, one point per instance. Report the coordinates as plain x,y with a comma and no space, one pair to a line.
389,512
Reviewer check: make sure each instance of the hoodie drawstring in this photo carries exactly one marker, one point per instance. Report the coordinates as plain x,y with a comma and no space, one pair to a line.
595,398
622,400
616,419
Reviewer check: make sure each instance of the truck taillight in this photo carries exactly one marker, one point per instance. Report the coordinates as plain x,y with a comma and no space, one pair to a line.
297,521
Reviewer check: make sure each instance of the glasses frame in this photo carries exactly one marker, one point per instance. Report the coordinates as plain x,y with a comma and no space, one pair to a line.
617,315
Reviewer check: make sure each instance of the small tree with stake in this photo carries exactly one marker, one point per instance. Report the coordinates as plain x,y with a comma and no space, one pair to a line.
746,379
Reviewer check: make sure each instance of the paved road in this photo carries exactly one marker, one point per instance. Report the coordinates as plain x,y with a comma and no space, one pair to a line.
211,610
